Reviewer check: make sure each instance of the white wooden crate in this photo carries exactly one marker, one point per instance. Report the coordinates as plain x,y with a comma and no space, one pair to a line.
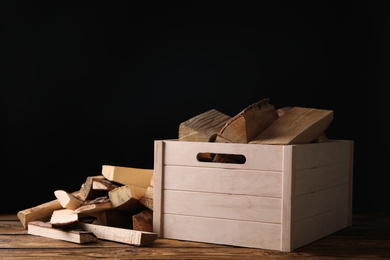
281,198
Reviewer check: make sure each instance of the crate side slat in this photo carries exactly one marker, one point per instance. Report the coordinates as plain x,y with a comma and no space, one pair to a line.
249,182
236,207
315,203
258,157
158,186
222,231
320,154
314,228
320,178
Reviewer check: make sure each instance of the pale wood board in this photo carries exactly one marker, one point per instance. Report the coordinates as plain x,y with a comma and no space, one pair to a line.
128,175
297,126
63,217
268,183
238,207
203,127
222,231
287,198
159,150
41,212
127,236
258,157
45,230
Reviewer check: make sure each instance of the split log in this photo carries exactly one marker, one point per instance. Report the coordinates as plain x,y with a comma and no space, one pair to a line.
115,218
41,212
43,229
203,127
103,185
127,236
126,198
87,192
127,175
63,218
248,124
147,202
298,125
143,221
67,200
94,207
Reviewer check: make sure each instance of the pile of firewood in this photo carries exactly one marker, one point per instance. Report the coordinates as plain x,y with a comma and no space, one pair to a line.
260,123
116,206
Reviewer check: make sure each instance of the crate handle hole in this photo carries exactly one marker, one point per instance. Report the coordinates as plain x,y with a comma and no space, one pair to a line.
221,158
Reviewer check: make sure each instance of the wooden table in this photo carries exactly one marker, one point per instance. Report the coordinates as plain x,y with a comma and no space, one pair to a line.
369,237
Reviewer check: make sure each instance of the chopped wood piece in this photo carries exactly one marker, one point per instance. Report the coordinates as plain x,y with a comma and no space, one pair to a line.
321,138
297,126
126,198
63,218
43,229
128,176
143,221
149,192
147,202
41,212
87,192
127,236
203,127
283,110
94,207
115,218
67,201
103,184
248,124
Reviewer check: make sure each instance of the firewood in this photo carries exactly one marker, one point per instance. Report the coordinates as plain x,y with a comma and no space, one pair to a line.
143,221
43,229
248,124
63,218
115,218
67,200
126,198
149,192
128,176
87,192
127,236
103,184
94,207
147,202
41,212
203,127
298,125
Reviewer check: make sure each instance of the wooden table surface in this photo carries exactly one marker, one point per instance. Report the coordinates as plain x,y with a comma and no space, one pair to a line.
369,237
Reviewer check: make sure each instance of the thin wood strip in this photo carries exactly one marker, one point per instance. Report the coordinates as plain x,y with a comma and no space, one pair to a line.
158,186
287,197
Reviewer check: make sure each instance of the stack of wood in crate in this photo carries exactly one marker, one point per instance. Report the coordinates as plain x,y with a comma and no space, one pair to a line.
116,206
260,123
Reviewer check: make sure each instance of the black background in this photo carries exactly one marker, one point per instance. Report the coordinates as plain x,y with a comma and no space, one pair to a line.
89,83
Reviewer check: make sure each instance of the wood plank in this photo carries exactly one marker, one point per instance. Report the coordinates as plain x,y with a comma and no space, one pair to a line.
203,127
297,126
319,226
222,231
249,123
159,150
321,154
320,178
268,183
43,229
319,202
41,212
258,157
11,227
127,236
127,175
238,207
287,197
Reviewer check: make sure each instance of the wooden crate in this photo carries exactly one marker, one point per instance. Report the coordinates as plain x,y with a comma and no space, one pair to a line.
281,198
